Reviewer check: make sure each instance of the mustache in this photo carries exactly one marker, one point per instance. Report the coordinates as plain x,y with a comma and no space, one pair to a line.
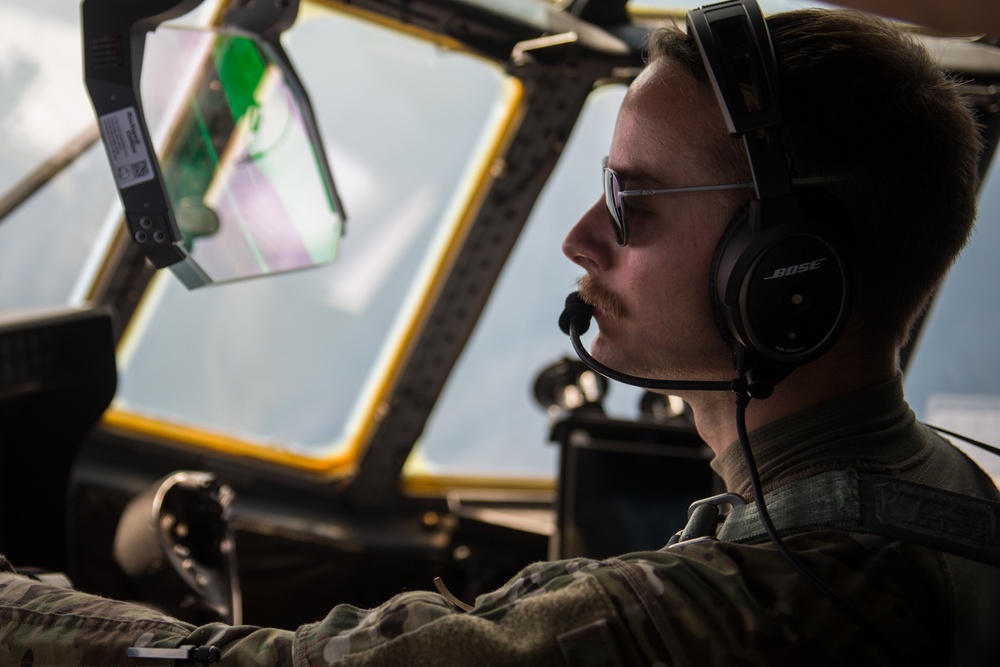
597,295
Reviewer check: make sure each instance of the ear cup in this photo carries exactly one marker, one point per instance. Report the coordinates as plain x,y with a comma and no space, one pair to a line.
738,221
784,293
780,289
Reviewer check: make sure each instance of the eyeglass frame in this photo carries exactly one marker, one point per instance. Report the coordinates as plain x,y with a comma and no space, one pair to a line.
620,228
617,211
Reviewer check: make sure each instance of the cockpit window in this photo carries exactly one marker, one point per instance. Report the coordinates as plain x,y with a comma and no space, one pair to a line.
291,367
53,240
953,376
487,422
44,111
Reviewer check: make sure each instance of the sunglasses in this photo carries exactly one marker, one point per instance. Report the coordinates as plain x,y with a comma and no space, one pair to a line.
614,197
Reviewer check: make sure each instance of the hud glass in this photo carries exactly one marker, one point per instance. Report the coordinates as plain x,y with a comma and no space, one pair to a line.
244,179
211,138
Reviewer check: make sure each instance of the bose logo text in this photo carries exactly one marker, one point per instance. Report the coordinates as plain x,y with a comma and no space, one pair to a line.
795,268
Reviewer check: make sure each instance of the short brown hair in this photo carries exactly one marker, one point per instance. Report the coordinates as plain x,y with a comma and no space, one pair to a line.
863,99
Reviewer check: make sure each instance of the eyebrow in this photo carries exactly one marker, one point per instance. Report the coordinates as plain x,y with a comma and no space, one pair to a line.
640,182
636,179
643,177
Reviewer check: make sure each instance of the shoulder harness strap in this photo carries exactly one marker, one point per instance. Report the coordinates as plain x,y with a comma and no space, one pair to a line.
844,500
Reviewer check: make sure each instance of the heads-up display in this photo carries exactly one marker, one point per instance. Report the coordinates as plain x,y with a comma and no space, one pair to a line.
214,149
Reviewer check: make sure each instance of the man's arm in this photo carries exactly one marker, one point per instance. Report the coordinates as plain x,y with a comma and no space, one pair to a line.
543,617
701,603
46,625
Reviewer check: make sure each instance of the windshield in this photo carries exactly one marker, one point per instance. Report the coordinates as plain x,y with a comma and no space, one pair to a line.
953,377
43,108
292,368
51,244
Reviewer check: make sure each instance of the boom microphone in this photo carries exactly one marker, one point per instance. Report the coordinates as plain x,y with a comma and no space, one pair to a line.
575,320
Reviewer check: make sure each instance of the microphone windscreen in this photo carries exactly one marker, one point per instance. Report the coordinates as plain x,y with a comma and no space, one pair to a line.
575,311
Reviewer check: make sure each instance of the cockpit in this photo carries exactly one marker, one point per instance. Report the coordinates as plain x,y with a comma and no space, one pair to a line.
347,320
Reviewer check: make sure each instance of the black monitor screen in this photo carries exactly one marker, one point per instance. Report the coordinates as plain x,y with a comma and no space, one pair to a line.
632,494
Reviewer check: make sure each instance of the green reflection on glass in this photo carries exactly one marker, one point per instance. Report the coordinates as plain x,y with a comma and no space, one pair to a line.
241,169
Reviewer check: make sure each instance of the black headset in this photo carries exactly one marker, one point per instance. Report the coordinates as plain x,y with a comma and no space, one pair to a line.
780,288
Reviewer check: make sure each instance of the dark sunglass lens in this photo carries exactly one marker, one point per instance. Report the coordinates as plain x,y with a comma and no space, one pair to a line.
613,200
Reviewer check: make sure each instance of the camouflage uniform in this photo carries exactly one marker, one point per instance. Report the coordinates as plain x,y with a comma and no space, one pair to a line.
701,602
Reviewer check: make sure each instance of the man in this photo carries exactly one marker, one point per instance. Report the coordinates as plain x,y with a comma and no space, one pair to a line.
702,601
844,410
651,293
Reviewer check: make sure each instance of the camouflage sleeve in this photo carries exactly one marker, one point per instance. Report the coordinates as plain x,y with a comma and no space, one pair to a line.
47,626
720,603
547,610
700,603
706,603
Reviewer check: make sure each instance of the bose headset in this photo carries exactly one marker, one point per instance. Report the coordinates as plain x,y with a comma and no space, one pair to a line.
780,289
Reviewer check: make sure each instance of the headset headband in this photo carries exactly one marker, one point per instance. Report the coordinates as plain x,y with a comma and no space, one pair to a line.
779,286
736,48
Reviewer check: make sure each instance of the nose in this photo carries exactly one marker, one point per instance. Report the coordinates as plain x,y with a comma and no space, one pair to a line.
587,243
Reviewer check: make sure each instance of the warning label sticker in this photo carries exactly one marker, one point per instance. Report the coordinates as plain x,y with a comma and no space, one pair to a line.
126,148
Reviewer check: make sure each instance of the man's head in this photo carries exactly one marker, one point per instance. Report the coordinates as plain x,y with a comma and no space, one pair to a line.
862,101
651,295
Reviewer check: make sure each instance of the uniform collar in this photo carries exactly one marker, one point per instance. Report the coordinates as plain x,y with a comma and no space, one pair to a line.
867,430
